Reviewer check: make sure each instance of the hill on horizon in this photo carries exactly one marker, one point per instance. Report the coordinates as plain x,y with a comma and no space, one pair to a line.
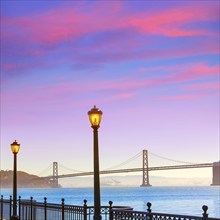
24,180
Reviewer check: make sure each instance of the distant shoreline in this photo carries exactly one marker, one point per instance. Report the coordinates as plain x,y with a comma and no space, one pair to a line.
24,180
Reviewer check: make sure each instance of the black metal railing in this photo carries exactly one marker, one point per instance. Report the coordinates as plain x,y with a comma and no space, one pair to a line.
32,210
6,207
119,214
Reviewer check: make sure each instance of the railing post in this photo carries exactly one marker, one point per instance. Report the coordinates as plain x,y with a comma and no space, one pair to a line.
45,208
149,210
110,210
85,209
205,215
31,207
19,207
63,208
1,206
10,206
34,212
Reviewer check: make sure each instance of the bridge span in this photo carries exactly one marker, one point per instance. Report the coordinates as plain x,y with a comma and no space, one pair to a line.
203,165
145,171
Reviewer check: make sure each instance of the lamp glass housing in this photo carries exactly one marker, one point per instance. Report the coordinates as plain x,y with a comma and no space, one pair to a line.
15,147
95,116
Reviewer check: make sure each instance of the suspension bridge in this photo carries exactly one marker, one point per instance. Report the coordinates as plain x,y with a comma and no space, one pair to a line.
145,169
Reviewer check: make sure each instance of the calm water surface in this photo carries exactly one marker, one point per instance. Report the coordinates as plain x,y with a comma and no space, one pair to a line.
176,200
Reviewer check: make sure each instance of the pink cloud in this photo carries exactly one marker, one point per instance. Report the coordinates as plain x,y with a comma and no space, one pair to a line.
184,51
98,55
41,36
125,88
171,22
204,86
92,56
195,71
170,74
193,91
183,73
17,68
39,94
9,67
58,96
66,24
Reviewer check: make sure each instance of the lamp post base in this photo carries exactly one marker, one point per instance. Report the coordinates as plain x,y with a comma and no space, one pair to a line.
145,185
14,218
97,217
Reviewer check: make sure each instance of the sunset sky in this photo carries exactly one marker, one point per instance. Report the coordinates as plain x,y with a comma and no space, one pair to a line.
152,67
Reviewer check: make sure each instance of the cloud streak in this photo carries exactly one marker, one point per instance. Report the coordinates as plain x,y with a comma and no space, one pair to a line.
175,22
96,36
63,24
125,88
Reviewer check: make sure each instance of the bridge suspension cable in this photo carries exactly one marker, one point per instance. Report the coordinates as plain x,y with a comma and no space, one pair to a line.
66,168
125,162
165,158
49,168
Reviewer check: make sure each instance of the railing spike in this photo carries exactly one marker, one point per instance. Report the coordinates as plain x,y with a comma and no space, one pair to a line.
149,210
1,214
149,207
85,209
63,211
110,203
45,208
205,209
110,210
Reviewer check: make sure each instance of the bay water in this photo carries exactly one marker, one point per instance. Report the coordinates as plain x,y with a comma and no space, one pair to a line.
174,200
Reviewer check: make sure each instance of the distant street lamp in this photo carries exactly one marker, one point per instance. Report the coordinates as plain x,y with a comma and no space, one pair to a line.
95,116
15,148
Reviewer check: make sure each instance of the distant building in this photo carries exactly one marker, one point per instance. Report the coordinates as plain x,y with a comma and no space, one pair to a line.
216,174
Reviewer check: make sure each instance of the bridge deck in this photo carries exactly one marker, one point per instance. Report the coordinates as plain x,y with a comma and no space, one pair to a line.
203,165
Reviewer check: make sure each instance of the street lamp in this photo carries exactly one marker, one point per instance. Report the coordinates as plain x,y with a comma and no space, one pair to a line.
15,148
95,116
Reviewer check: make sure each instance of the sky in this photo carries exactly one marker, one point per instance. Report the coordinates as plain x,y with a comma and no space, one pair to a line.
152,67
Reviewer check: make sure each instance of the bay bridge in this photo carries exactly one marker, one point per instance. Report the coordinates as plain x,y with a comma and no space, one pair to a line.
145,169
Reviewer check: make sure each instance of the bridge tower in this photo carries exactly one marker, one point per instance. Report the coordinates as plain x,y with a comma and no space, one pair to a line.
55,175
146,182
216,174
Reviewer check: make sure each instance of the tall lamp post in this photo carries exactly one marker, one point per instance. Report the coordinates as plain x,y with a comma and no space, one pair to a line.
95,116
15,148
